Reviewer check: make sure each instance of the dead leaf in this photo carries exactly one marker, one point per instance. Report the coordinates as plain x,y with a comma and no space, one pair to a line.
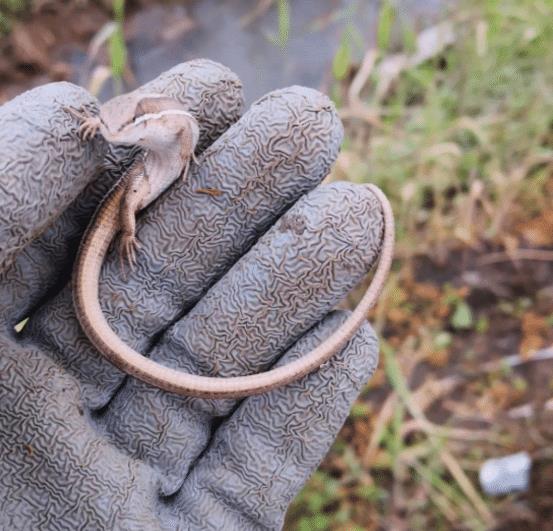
425,290
534,330
539,231
213,192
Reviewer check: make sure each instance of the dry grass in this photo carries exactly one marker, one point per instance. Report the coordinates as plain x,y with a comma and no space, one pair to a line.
460,139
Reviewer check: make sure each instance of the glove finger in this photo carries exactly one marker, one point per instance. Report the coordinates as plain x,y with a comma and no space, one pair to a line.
283,146
291,278
260,457
212,90
43,165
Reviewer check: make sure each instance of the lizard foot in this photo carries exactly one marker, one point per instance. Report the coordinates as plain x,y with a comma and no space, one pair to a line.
89,123
128,246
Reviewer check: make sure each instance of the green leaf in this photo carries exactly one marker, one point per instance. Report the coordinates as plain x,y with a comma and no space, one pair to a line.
385,23
283,22
342,58
360,410
409,38
442,340
5,24
520,384
462,318
482,324
316,502
119,10
117,53
371,493
317,522
117,46
399,383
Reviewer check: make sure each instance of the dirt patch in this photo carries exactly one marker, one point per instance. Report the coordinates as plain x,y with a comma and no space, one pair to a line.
37,49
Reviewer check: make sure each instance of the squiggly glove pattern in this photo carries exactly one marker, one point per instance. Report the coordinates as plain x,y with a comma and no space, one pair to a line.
228,282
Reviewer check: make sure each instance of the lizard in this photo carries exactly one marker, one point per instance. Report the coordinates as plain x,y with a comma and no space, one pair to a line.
168,133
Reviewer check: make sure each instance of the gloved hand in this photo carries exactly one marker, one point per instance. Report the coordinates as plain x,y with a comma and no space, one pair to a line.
238,270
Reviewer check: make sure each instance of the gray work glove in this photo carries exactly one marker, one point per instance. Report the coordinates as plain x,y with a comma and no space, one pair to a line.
239,268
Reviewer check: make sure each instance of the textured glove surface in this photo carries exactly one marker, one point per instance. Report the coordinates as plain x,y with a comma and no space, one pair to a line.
238,271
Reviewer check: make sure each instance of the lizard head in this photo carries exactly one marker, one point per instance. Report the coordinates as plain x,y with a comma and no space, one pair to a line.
152,121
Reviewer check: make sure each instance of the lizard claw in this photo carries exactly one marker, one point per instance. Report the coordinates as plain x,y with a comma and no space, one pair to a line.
128,246
89,127
89,123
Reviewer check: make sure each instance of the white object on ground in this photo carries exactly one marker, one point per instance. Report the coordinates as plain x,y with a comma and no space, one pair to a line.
506,474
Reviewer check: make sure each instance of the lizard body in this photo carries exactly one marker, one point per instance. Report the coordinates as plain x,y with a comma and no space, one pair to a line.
169,135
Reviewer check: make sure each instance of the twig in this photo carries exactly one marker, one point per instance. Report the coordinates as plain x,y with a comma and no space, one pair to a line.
470,492
258,11
438,485
430,42
385,416
448,433
362,75
361,112
513,179
386,412
402,389
515,360
518,254
528,410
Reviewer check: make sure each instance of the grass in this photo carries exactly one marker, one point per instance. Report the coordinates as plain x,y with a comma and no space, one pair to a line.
117,47
462,145
446,134
9,11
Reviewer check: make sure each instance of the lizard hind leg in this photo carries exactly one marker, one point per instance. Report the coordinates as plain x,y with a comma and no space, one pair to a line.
137,189
128,247
185,170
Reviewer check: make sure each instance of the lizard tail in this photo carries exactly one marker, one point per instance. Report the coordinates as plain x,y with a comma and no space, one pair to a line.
94,246
93,322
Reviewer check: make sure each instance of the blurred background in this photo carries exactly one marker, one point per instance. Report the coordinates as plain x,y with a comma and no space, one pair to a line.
448,106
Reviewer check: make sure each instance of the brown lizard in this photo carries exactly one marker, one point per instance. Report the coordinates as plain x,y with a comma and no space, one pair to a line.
169,133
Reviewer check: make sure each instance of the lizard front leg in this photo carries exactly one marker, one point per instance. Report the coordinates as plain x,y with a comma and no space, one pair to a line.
89,123
137,189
